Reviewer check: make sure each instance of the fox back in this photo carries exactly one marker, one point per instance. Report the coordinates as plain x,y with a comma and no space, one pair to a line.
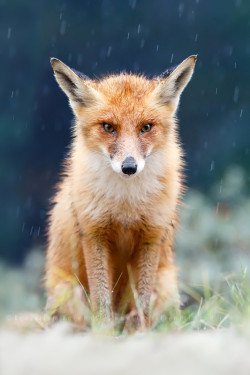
116,207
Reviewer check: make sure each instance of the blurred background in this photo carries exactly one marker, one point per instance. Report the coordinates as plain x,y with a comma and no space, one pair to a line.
101,36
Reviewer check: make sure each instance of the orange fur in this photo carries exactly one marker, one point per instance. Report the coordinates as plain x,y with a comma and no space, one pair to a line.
101,222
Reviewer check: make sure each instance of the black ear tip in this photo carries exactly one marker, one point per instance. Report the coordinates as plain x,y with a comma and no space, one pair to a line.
54,61
167,72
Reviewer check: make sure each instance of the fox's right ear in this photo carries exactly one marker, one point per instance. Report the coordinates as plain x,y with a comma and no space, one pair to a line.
77,90
172,83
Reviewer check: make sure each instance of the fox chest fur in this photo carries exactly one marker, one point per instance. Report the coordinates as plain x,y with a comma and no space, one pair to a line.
119,198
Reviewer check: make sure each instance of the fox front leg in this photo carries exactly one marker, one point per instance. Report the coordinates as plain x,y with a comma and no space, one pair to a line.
146,267
96,255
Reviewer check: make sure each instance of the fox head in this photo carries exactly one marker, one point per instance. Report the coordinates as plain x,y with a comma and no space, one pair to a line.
125,117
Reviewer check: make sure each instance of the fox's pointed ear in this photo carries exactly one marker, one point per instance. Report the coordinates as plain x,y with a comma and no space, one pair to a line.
171,85
74,85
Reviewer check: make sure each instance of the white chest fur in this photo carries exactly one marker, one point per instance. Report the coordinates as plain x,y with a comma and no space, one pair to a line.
109,195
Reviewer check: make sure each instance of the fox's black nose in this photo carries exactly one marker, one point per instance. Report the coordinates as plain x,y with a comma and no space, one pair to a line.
129,166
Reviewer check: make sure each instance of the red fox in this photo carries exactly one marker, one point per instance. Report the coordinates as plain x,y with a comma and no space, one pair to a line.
116,208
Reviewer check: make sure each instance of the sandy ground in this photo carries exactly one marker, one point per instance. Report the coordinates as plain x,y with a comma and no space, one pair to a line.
59,351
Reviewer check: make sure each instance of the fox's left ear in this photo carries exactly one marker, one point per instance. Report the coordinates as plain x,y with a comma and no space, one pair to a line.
74,84
169,89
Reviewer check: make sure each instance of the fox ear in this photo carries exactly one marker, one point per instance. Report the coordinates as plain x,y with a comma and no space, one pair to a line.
74,85
172,83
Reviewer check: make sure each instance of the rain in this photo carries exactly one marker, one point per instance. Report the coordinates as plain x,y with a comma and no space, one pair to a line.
103,37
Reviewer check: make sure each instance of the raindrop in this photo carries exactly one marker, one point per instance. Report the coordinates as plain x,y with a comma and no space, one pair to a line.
216,91
23,226
181,9
196,37
139,28
212,166
217,208
109,51
132,3
38,231
128,35
241,111
236,94
157,47
9,33
63,27
31,230
220,186
235,65
172,57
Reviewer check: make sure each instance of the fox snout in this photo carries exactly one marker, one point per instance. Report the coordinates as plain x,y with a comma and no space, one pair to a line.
129,166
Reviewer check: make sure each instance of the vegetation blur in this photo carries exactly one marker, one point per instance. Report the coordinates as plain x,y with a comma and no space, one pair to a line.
103,36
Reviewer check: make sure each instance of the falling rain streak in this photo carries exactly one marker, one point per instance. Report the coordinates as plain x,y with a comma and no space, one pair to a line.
236,94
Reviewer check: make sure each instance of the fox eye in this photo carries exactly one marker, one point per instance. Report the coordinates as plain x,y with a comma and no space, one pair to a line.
108,128
146,128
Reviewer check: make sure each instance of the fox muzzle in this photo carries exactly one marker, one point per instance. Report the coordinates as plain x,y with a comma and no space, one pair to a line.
129,166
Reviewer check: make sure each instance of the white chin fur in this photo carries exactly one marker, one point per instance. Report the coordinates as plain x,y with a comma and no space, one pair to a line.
109,184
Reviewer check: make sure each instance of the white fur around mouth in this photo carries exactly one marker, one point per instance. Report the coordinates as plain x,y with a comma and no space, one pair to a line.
117,168
116,187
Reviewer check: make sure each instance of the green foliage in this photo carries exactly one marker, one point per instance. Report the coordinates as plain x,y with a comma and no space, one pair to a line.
228,305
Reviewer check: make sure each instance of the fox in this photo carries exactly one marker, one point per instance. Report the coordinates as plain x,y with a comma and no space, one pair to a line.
116,209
